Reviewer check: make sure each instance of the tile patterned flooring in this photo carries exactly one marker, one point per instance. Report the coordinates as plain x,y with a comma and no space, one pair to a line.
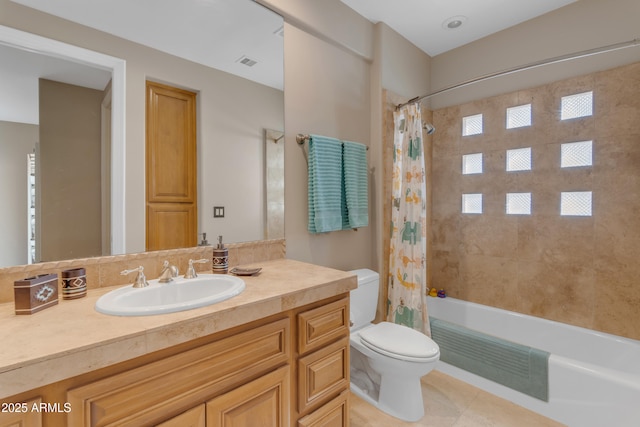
452,403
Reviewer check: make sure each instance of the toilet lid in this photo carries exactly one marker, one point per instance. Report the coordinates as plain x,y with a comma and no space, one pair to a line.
399,342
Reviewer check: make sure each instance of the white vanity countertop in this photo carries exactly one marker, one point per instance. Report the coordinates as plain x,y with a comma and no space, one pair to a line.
72,338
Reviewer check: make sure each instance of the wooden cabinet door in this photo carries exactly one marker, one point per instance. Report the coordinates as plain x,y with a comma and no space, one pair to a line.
171,176
171,225
263,402
194,417
21,414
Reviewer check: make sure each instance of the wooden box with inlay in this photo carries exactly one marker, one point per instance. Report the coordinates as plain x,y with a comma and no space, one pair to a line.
35,293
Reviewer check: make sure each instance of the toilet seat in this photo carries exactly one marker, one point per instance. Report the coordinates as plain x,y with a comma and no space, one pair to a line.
399,342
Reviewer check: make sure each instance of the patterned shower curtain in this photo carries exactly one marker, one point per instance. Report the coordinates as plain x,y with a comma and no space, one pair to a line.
407,282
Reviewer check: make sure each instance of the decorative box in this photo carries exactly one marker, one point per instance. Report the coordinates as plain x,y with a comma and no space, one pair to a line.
35,293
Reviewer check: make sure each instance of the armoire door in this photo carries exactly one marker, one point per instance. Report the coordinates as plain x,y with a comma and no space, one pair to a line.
171,176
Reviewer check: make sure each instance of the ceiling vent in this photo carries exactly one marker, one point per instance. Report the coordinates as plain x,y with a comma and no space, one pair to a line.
245,60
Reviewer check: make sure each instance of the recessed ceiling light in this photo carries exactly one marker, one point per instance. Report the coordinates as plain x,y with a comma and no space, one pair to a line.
454,22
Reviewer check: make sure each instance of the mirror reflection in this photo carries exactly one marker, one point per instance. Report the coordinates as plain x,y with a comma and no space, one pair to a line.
240,120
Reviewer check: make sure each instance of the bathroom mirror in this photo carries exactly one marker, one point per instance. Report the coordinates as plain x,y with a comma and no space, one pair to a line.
247,143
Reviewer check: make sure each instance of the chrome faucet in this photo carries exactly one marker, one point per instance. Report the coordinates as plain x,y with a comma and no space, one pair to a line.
168,273
191,272
141,280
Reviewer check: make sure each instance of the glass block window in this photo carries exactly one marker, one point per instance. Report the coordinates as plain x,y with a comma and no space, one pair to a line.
472,125
575,203
472,203
519,159
471,163
574,154
518,204
578,105
519,116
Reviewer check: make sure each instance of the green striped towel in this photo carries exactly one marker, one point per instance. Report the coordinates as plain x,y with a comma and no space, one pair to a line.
356,190
325,184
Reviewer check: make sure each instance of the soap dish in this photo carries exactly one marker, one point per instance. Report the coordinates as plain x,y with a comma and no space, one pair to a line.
245,271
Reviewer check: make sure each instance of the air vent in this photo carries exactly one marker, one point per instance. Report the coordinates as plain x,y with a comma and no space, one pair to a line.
245,60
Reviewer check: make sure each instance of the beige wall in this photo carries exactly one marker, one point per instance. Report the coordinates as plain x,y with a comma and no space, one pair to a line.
327,93
585,24
573,269
69,206
329,20
336,65
328,89
17,140
406,69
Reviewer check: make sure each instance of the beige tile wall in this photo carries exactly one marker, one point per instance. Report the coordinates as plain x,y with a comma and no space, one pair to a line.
578,270
105,271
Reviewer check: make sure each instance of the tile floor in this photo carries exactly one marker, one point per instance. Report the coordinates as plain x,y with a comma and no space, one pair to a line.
452,403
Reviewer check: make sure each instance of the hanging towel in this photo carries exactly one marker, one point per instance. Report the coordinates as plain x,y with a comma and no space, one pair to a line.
356,190
325,184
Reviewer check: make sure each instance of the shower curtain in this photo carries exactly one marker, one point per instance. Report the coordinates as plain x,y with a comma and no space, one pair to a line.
407,281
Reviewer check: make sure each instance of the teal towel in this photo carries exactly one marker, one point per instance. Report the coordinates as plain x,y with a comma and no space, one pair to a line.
325,184
356,189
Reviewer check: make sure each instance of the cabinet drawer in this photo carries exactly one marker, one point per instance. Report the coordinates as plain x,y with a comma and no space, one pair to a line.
323,375
322,325
333,414
150,393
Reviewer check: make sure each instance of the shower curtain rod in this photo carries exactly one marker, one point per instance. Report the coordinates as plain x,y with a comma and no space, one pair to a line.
567,57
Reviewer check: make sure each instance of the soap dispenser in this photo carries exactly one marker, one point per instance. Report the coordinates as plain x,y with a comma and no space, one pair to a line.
220,261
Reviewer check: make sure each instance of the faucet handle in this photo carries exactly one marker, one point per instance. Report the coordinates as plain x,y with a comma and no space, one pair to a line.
191,272
141,280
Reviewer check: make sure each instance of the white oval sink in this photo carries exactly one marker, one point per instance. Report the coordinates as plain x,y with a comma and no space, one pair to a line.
179,295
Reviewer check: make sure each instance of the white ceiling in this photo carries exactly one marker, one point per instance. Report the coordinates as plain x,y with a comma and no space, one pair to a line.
421,21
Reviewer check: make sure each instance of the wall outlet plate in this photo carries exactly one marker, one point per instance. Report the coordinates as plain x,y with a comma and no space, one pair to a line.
218,211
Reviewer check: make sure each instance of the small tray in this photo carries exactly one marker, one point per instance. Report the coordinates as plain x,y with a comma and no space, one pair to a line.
245,271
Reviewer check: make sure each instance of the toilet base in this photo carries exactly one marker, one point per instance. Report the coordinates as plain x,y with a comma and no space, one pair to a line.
401,398
406,406
397,395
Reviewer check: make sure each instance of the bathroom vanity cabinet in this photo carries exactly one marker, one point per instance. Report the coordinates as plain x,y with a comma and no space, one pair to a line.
254,361
286,369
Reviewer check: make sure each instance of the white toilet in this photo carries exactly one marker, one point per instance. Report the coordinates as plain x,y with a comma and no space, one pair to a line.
387,360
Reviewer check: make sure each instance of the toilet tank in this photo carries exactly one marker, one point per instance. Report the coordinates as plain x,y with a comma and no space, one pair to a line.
364,299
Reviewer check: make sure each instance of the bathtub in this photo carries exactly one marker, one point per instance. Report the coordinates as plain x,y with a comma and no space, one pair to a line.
594,378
